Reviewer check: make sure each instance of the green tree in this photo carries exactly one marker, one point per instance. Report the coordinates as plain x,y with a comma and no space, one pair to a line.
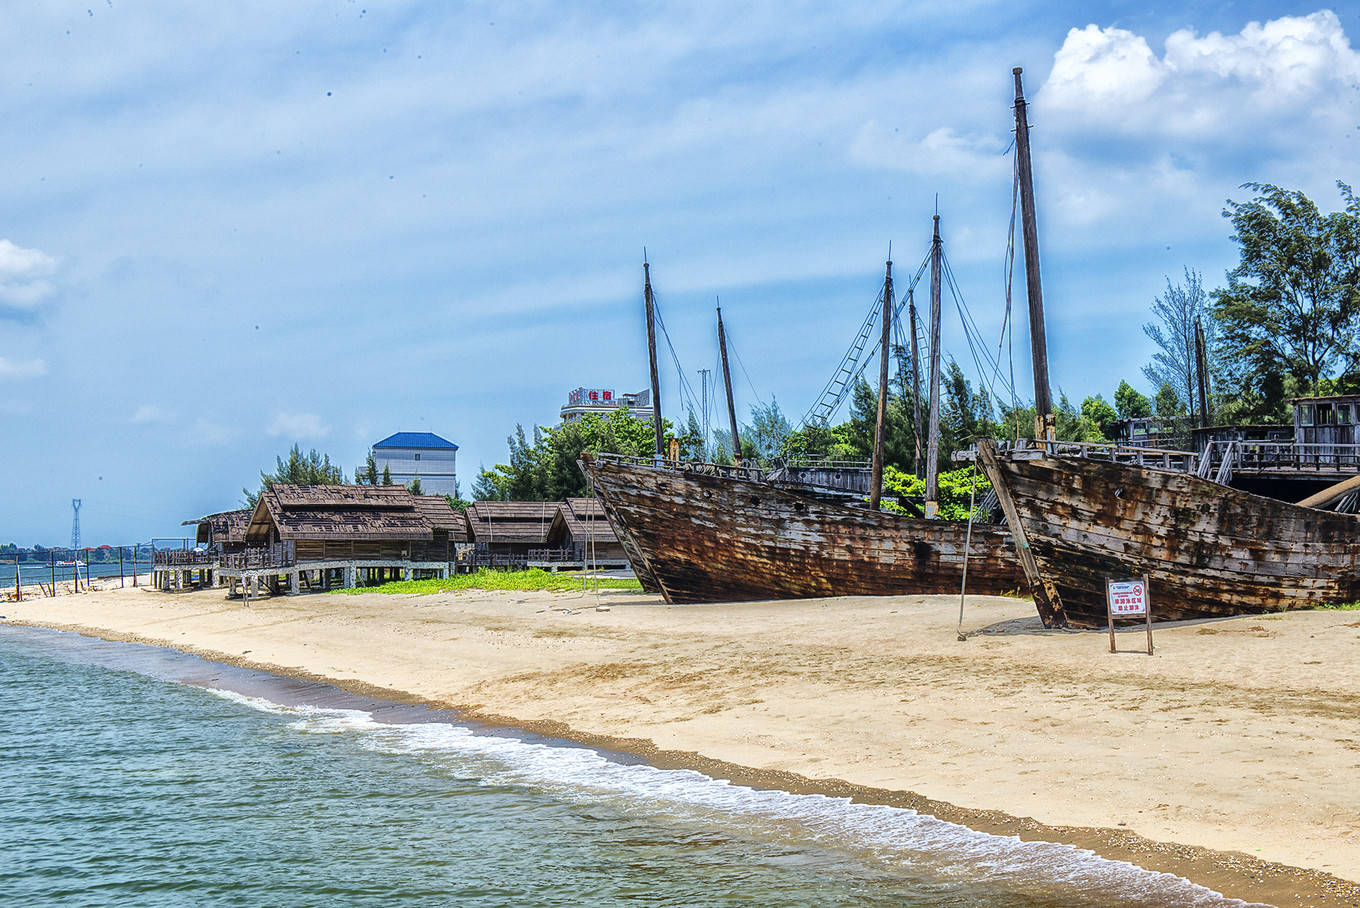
312,468
692,442
1100,413
1168,402
1291,309
855,436
905,493
966,415
1070,424
386,476
1129,404
768,431
547,469
456,500
1180,307
820,442
487,486
415,487
369,474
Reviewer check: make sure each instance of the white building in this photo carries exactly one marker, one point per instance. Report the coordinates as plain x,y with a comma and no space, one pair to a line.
419,455
605,401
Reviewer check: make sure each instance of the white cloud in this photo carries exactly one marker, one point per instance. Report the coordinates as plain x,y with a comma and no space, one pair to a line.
149,413
940,152
298,425
21,368
207,432
1275,83
1133,147
24,275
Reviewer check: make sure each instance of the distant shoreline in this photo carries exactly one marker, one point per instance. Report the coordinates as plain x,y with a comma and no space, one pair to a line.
508,646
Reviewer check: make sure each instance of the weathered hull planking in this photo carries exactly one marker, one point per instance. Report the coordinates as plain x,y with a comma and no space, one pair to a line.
1208,550
716,538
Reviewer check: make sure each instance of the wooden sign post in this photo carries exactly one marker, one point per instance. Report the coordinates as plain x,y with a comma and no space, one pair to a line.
1129,599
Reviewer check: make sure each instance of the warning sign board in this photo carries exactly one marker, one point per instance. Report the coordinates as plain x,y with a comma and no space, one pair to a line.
1129,599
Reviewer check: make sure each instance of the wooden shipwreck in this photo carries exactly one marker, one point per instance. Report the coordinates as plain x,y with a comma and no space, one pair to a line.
710,533
1207,549
1085,514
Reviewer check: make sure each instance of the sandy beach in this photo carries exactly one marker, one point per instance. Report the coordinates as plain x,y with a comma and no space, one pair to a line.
1231,757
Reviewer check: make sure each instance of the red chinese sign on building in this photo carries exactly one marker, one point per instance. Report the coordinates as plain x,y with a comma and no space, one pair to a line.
590,396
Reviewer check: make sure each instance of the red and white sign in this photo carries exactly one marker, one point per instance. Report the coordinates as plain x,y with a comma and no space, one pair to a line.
590,396
1128,598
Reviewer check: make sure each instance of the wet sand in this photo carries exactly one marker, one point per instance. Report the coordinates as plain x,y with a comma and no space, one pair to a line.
1231,757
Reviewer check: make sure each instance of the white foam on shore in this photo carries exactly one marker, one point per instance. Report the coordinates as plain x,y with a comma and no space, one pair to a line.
893,836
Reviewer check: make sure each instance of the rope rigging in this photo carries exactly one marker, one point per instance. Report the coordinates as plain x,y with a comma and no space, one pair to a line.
855,360
988,365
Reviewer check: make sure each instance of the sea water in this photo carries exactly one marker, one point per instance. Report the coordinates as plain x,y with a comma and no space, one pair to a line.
139,776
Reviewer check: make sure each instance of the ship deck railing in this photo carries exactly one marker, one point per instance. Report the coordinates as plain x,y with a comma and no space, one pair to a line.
1156,458
1219,461
1282,458
188,559
278,555
732,471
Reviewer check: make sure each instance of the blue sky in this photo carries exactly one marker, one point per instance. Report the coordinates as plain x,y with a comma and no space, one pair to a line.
228,227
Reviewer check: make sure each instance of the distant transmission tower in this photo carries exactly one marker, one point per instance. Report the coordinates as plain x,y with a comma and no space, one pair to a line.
75,523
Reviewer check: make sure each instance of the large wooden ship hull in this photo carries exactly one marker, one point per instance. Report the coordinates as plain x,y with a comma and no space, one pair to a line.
1208,550
708,536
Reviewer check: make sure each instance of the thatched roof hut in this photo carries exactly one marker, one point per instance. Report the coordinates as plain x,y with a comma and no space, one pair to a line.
581,526
442,517
335,522
226,529
511,527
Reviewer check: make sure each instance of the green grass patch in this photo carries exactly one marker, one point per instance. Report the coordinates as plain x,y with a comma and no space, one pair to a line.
1340,607
486,579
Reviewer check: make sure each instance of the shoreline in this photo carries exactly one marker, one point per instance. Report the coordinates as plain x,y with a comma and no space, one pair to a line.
1233,873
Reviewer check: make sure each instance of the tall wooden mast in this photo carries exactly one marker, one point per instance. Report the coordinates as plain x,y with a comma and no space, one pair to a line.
917,465
727,384
1043,398
1202,369
933,438
651,357
876,477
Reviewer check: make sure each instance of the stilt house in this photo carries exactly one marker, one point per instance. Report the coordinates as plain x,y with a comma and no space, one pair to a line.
450,527
581,527
223,532
509,532
342,523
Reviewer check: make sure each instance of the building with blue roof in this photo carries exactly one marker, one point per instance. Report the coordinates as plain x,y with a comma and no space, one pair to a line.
419,455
